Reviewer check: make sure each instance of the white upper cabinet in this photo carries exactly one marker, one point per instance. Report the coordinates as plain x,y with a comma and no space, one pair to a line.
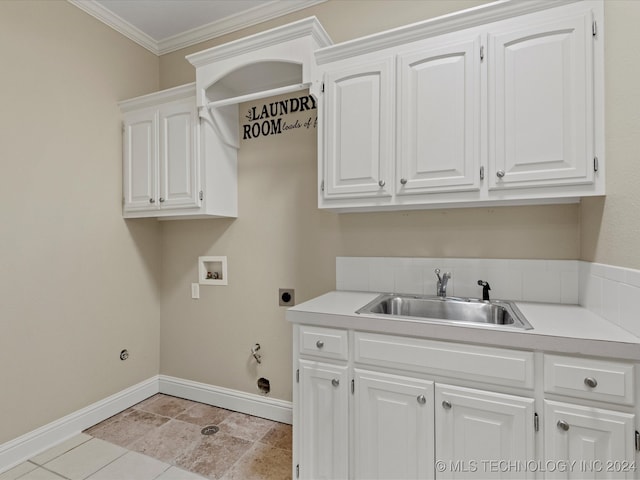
439,111
497,105
140,165
181,145
172,167
541,102
178,155
160,158
359,129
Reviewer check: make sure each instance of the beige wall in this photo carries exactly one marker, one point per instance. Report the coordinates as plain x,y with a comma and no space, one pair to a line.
77,282
281,239
610,230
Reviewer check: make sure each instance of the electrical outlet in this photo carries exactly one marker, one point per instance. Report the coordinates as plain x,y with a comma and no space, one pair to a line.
286,297
195,291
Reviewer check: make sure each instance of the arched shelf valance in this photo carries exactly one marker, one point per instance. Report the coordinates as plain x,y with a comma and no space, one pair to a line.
269,63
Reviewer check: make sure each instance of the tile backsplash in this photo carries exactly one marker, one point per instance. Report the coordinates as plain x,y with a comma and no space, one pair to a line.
612,293
553,281
608,291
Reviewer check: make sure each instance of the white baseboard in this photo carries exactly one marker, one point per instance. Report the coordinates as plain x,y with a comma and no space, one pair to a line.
31,444
251,404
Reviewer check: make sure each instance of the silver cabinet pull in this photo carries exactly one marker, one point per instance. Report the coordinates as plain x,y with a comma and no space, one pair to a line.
161,200
562,425
403,181
152,200
382,183
319,344
446,404
500,173
335,382
591,382
421,399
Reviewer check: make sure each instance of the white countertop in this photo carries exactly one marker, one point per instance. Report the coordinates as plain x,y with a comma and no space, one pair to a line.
568,329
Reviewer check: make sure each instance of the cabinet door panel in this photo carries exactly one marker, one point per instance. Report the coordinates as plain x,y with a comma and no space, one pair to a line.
541,103
358,126
178,156
393,426
139,171
439,118
594,438
474,427
323,421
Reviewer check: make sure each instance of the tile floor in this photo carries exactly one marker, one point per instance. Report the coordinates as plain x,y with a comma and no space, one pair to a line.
160,439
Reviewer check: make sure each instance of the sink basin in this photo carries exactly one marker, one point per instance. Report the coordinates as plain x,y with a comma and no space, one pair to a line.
448,309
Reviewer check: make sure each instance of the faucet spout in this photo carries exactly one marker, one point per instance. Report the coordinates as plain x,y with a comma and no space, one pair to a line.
441,287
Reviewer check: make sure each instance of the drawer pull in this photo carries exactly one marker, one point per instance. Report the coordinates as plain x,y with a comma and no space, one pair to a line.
591,382
446,404
319,344
562,425
421,399
335,382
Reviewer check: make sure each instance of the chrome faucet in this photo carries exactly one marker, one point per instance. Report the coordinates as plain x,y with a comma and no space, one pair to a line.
441,287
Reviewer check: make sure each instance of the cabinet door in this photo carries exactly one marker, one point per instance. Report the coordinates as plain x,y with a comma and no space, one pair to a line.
358,126
393,426
323,443
600,442
439,118
541,115
179,179
475,428
140,160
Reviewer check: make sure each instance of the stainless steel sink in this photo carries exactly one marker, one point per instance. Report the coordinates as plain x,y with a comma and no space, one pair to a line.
448,309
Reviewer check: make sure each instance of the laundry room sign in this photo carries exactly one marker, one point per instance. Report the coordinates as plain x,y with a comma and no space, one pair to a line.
278,117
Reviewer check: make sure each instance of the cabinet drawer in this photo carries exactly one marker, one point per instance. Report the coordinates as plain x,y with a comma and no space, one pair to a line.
589,378
482,364
324,342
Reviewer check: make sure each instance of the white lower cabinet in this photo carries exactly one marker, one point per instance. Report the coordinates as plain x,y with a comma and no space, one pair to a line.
594,442
323,413
378,406
393,426
481,434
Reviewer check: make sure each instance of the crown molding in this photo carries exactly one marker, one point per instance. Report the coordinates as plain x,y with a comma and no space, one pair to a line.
307,27
248,18
472,17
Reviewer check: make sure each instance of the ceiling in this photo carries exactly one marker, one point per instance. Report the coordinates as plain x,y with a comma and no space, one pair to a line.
163,26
